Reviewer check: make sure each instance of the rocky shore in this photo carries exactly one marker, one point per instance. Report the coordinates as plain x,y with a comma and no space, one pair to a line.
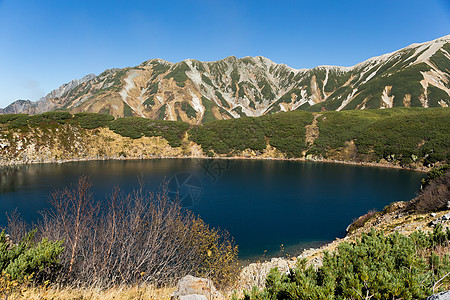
394,221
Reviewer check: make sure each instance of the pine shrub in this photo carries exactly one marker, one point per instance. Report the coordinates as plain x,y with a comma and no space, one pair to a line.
374,267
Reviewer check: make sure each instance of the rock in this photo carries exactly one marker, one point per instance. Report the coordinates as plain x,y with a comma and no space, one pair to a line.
193,297
195,288
433,215
446,217
441,296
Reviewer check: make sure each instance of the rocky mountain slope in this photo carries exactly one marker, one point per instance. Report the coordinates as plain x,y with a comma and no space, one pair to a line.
196,92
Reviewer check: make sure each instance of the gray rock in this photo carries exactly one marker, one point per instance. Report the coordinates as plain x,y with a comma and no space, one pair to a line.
441,296
446,217
193,297
433,215
195,288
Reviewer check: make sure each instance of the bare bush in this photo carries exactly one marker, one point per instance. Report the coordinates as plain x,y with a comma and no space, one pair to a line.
362,220
141,237
17,228
434,196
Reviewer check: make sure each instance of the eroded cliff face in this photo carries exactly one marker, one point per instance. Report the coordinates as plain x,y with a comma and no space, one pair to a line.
67,142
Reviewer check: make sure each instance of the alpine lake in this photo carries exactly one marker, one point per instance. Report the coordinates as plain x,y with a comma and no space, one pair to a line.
271,208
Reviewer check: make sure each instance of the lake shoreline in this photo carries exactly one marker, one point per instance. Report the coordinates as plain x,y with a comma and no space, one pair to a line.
322,160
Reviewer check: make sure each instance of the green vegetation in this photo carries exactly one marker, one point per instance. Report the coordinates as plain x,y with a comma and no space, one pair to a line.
434,193
135,127
152,88
434,174
92,120
127,111
285,131
158,68
222,99
179,73
27,258
162,112
374,267
207,80
404,135
208,116
149,101
188,109
407,136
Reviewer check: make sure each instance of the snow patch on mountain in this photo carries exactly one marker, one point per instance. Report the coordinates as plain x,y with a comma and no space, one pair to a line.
347,100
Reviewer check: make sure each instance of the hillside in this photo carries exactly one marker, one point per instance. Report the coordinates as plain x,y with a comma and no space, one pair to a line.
197,92
415,138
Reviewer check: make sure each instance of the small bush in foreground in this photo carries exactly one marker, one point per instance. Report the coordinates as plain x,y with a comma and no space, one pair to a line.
374,267
26,261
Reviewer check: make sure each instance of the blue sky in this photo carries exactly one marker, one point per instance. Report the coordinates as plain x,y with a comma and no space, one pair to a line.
46,43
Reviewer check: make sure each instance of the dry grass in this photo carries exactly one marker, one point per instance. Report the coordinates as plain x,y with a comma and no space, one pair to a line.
117,293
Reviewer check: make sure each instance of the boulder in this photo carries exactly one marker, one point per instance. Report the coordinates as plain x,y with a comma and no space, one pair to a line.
441,296
446,217
193,297
195,288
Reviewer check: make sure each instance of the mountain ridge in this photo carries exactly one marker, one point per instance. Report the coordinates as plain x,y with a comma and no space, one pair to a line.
196,92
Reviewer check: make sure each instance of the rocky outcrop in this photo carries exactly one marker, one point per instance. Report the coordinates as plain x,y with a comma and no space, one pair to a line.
195,288
441,296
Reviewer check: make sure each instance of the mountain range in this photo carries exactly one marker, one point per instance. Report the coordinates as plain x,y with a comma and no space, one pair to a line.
197,92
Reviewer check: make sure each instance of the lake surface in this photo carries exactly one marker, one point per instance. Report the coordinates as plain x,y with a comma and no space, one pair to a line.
263,204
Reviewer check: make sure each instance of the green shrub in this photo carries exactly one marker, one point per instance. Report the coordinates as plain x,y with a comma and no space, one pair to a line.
136,127
27,258
93,120
285,131
10,117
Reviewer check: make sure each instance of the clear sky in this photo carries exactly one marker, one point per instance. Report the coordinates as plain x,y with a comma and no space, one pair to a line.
46,43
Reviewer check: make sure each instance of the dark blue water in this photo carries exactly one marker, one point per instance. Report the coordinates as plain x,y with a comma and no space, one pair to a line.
263,204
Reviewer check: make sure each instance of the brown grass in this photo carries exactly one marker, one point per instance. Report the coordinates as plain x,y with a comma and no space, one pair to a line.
116,293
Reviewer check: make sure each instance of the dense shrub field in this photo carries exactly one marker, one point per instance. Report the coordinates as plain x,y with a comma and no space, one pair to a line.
400,134
407,136
135,127
285,131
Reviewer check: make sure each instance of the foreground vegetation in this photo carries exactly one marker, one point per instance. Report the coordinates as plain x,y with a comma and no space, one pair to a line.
127,240
374,267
